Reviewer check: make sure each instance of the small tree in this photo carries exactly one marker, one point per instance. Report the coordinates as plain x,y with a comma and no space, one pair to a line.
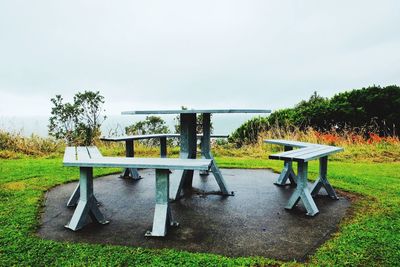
90,117
151,125
78,123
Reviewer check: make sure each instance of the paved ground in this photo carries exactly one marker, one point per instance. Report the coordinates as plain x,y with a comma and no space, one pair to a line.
253,222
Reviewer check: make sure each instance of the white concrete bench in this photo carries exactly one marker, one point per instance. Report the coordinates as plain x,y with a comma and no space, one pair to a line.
305,153
86,158
130,152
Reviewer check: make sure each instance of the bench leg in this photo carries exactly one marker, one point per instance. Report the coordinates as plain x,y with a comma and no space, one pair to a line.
73,200
301,192
287,172
162,213
322,180
87,203
130,153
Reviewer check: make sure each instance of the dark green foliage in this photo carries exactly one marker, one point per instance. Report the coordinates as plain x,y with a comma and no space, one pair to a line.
372,106
311,113
372,109
79,122
283,117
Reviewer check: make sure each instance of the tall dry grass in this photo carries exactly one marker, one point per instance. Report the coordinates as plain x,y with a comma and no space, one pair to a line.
359,145
15,145
366,147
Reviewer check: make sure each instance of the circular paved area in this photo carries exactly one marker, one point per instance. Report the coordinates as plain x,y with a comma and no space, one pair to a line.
253,222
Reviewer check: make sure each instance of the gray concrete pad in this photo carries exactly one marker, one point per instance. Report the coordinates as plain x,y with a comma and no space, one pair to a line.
253,222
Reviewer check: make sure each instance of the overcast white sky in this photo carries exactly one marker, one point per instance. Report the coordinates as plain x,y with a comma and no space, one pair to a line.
201,54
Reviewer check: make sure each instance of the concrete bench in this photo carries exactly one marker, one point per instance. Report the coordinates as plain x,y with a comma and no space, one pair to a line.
305,153
130,152
86,158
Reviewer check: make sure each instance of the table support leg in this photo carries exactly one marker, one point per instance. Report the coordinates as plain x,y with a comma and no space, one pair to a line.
206,153
130,153
287,172
302,192
87,204
188,146
163,147
322,180
162,213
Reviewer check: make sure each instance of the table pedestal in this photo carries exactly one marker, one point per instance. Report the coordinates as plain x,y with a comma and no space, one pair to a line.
130,153
188,147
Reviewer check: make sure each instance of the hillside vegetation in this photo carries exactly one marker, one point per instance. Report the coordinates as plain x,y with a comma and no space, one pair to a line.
361,111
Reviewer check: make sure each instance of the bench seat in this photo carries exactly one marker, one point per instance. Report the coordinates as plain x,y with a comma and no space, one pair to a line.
151,136
129,147
307,153
290,143
141,163
86,158
304,153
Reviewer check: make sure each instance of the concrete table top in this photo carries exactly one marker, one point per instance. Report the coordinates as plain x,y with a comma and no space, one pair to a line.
191,111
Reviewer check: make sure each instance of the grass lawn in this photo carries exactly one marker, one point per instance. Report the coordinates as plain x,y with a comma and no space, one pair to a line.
370,237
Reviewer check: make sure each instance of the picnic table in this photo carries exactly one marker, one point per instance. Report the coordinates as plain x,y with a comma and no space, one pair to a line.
188,141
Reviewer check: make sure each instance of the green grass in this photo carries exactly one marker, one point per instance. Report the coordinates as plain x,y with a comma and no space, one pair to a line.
370,237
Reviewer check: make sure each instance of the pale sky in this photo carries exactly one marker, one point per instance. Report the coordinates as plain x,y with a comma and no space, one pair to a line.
200,54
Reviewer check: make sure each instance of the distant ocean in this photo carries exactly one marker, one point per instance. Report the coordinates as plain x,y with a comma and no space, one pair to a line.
26,125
